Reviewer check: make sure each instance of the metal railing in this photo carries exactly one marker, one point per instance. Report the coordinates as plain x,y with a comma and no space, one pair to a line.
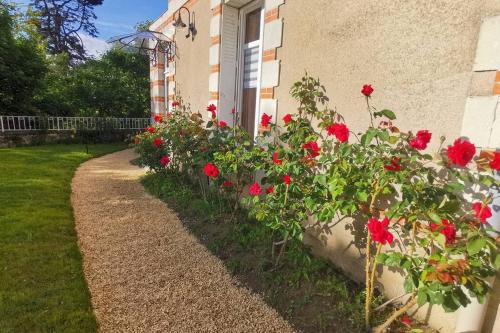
38,123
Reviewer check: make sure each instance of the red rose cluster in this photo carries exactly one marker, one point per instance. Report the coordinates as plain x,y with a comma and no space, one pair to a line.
287,119
462,152
212,109
158,142
276,159
312,149
447,229
367,90
165,160
421,140
158,118
482,211
394,166
378,231
340,131
495,162
265,120
211,170
255,190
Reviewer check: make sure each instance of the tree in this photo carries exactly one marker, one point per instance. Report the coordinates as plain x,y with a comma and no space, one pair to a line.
22,64
62,20
117,85
143,25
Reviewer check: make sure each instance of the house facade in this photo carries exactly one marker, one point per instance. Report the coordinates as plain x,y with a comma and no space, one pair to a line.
437,63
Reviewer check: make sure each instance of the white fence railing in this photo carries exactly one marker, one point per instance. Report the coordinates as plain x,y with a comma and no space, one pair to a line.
36,123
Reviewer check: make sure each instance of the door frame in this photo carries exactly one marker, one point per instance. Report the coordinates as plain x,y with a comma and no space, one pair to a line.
240,61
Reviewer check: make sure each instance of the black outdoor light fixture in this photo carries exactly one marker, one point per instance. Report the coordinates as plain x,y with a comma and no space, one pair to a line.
178,23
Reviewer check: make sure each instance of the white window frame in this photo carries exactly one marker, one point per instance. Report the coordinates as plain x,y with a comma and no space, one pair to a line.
166,79
240,70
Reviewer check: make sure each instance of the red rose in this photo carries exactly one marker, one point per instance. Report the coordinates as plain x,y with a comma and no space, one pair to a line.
158,118
233,110
265,120
367,90
312,149
287,179
270,190
222,124
255,189
276,159
406,320
158,142
461,152
340,131
495,162
175,104
483,212
378,231
151,129
394,166
211,170
227,183
212,109
287,118
165,160
421,140
447,229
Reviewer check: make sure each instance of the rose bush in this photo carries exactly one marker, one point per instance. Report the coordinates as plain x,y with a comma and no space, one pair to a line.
414,209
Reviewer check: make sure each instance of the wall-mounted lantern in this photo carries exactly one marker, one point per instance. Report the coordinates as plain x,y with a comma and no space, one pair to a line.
178,23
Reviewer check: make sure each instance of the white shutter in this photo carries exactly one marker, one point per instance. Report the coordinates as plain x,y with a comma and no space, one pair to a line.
228,61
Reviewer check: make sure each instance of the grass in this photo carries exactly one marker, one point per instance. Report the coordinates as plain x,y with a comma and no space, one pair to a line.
42,286
309,292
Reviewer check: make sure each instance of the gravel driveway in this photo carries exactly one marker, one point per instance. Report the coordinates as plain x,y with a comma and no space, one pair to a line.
145,271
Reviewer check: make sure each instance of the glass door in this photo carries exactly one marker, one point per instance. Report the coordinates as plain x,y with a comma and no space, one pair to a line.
250,66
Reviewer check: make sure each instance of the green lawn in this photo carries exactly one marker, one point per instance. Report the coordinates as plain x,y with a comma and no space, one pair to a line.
42,287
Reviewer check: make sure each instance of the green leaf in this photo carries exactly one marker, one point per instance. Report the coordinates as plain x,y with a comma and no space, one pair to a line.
434,217
455,187
410,283
367,138
309,203
362,196
382,258
441,240
393,139
450,206
486,180
436,298
475,245
421,297
496,261
386,113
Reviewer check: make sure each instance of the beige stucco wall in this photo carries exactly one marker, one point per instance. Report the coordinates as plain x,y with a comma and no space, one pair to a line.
417,54
192,68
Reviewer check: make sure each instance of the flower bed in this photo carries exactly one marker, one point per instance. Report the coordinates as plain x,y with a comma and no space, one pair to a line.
416,215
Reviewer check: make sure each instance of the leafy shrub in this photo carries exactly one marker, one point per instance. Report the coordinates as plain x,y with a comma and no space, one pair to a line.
413,209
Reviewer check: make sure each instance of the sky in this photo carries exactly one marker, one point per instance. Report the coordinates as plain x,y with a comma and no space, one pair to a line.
118,17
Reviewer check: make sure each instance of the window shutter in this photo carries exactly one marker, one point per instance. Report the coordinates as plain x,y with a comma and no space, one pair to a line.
228,62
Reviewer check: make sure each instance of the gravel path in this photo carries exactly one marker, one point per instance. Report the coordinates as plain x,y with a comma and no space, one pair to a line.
145,271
